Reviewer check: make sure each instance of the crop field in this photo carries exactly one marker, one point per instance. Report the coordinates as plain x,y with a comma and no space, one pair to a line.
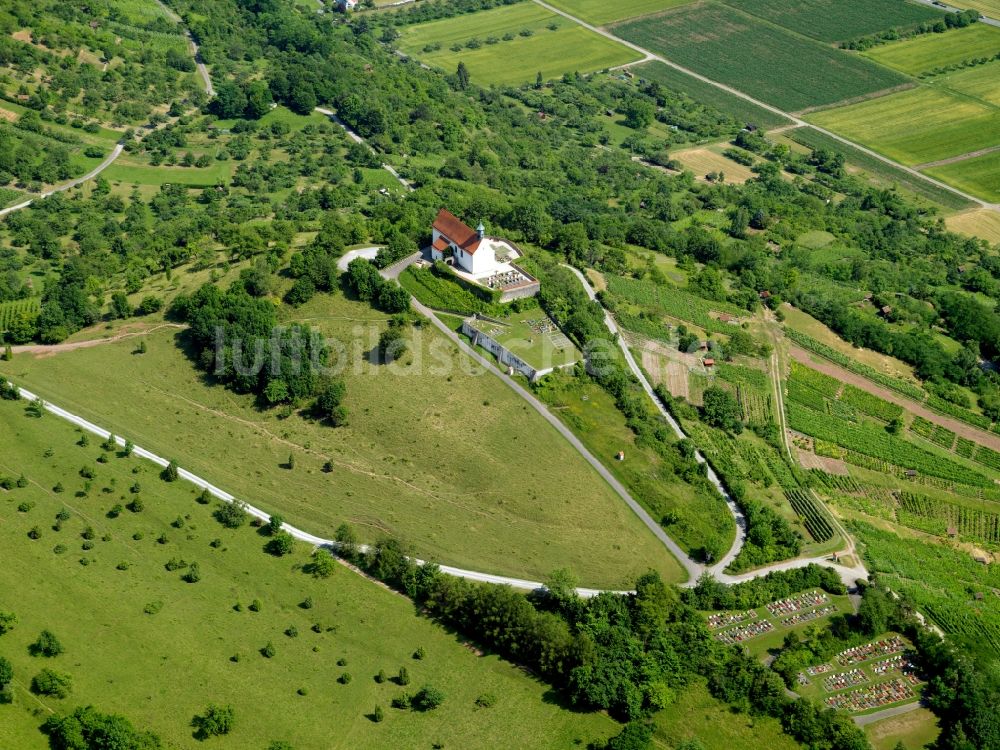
498,508
171,647
837,21
673,302
600,12
874,442
881,173
929,51
939,580
537,41
10,311
982,223
767,62
979,175
915,126
990,8
732,105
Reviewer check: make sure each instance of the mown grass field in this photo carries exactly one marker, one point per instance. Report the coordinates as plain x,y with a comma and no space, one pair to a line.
161,669
566,49
983,223
915,126
450,460
134,172
880,172
767,62
978,176
837,21
600,12
708,159
982,82
730,104
915,729
929,51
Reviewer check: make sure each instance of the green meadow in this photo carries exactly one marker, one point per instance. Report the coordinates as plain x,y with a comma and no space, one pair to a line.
565,48
979,175
142,642
600,12
451,461
915,126
929,51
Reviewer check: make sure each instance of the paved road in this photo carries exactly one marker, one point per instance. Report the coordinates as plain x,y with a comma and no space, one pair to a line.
736,92
367,253
887,713
358,139
192,46
849,575
734,509
108,161
694,570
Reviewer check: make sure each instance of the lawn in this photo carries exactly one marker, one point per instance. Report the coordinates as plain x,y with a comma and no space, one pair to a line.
730,104
587,409
915,126
534,338
837,20
566,49
930,51
161,669
450,460
879,172
706,160
915,730
696,715
981,81
765,61
979,176
600,12
136,172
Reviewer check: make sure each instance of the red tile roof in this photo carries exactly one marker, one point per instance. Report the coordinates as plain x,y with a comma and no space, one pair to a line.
441,244
456,230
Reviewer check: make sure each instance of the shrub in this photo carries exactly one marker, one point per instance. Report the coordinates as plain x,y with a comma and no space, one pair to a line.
428,698
215,722
51,683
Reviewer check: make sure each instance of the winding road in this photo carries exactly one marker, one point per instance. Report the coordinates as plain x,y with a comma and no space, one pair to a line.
651,56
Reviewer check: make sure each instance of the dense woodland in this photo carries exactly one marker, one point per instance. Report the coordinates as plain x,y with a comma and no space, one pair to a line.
556,184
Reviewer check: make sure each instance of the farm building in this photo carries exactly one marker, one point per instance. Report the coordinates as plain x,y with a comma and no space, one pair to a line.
482,260
346,5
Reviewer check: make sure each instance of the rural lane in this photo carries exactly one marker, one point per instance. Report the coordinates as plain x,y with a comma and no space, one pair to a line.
192,45
848,574
108,161
649,55
358,139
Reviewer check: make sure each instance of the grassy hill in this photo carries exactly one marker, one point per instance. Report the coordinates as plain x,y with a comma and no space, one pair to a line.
161,669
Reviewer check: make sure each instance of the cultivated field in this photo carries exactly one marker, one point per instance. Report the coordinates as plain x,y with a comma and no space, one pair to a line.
563,48
837,21
982,223
730,104
979,175
770,63
916,126
453,462
930,51
163,667
600,12
989,8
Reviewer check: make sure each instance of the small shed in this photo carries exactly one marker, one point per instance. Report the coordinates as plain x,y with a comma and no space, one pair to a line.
911,473
709,362
620,456
886,310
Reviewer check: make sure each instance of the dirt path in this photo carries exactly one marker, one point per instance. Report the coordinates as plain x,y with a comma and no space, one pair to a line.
846,376
49,349
960,157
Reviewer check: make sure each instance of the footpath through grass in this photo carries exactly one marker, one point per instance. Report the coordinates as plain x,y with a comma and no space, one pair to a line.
162,666
452,462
